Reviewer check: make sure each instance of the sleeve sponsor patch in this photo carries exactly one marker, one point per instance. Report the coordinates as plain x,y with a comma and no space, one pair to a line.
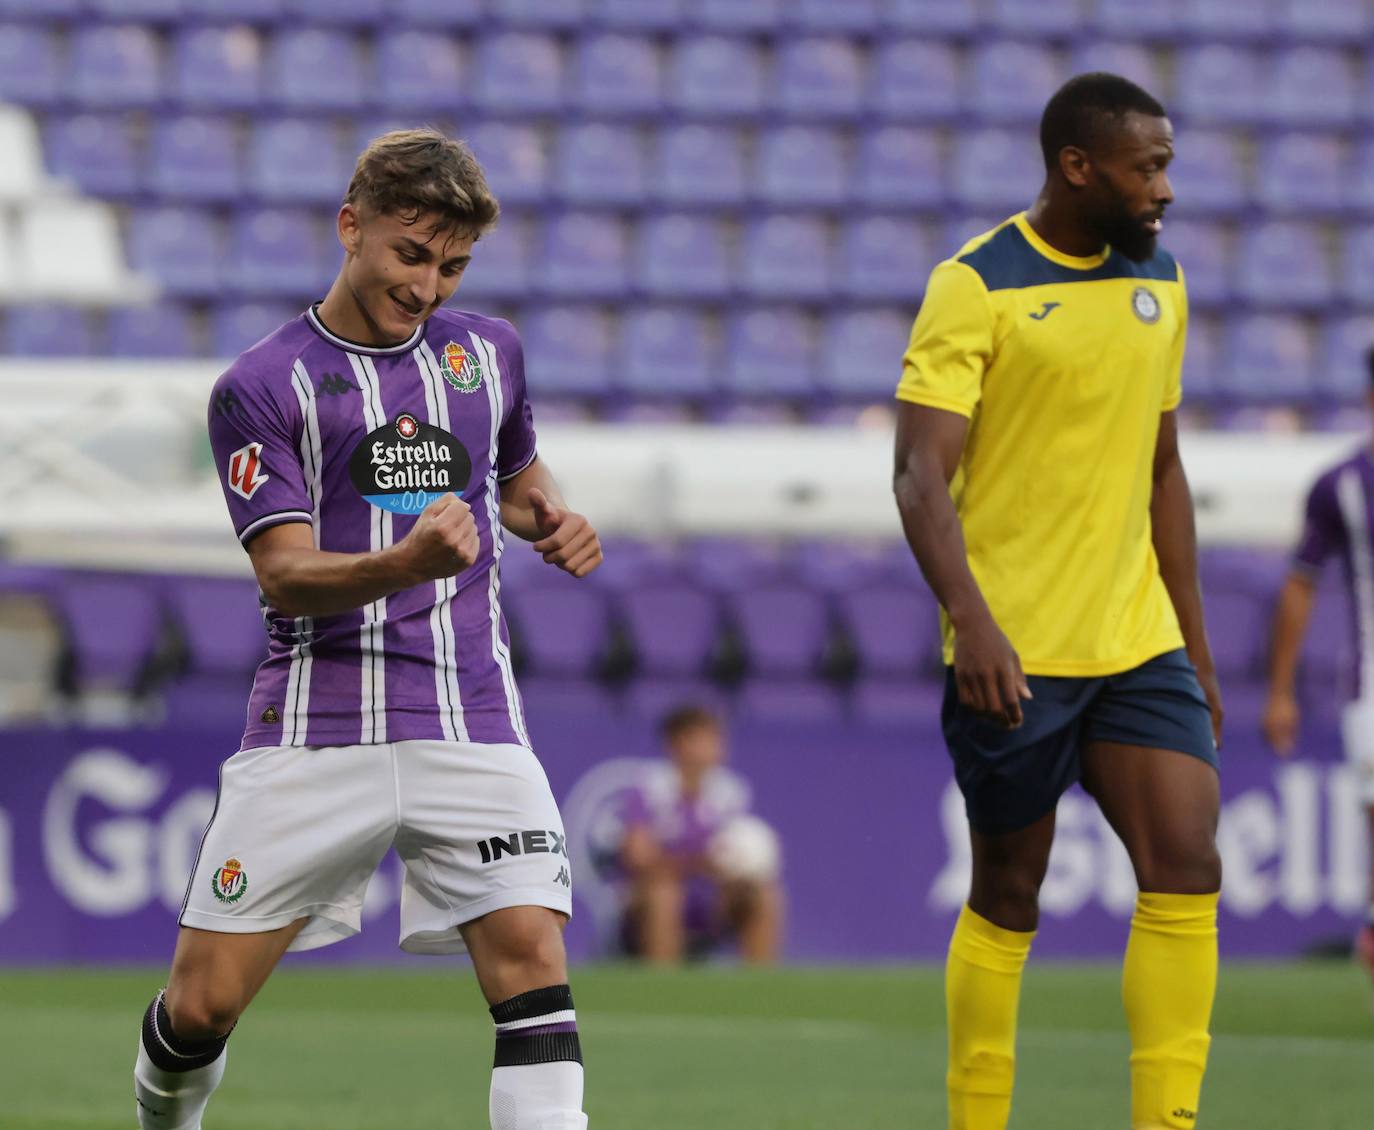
245,470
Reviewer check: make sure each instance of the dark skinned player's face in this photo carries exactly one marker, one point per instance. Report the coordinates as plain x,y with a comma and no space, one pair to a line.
1125,187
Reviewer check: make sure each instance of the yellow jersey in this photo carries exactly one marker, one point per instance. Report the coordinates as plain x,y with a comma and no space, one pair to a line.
1063,365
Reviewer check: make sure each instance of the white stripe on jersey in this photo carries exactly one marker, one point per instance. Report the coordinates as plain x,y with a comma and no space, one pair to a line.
370,634
499,650
296,702
1350,493
448,694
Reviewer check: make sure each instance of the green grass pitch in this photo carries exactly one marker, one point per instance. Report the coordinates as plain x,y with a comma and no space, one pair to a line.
714,1048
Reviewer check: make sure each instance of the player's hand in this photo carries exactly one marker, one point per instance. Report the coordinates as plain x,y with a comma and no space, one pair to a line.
443,540
566,539
987,672
1280,723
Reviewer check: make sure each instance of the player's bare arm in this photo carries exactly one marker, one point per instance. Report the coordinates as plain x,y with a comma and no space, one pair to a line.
1175,541
300,580
1281,713
986,667
533,508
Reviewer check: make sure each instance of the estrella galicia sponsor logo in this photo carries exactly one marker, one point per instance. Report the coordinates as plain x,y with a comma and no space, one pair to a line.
230,882
405,465
460,368
335,384
532,842
1145,305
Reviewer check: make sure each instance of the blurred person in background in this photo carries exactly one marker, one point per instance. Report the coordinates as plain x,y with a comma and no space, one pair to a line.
702,869
371,452
1338,524
1040,487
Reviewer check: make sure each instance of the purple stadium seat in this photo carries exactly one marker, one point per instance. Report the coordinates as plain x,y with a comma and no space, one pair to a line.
1284,264
217,68
48,331
738,15
49,10
1225,19
1360,177
111,67
1134,61
1343,373
701,166
853,17
235,326
276,253
914,81
863,355
195,158
650,700
798,701
617,75
893,630
771,352
683,256
931,17
1010,81
561,696
568,350
897,702
786,257
674,628
518,73
1303,174
885,258
712,76
1036,19
297,161
112,625
180,247
751,413
1311,86
1202,358
585,255
633,563
233,11
515,160
563,629
1335,21
355,12
820,78
953,235
802,167
831,566
784,629
562,15
30,74
96,153
439,13
1205,254
1357,265
1218,84
316,69
666,352
899,167
502,261
220,621
599,165
996,169
1268,357
638,15
419,72
730,564
660,413
1208,174
1237,624
163,330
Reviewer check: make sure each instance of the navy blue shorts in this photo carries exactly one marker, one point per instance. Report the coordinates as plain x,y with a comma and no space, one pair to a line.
1011,778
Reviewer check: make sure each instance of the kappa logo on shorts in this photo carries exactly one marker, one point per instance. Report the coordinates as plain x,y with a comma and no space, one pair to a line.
523,843
230,882
245,470
563,877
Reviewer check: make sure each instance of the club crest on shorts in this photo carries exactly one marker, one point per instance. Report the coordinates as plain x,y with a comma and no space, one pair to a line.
460,368
229,882
1145,305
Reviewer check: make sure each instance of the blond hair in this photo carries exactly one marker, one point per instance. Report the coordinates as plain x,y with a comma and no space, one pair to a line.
409,173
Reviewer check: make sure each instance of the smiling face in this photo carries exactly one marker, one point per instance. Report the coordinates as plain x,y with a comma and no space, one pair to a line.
1122,181
398,273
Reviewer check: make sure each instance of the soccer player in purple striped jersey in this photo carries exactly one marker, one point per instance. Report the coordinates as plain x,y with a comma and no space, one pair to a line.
1339,524
372,452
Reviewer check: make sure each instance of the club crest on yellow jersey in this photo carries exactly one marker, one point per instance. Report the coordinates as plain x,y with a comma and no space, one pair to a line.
1145,305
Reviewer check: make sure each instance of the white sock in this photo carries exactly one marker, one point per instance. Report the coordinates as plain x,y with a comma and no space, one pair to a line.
173,1078
536,1081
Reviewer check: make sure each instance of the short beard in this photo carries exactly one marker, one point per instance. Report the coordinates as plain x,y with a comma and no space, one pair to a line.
1125,234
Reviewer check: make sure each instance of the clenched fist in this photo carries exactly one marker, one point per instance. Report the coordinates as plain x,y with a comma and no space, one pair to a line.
566,538
443,540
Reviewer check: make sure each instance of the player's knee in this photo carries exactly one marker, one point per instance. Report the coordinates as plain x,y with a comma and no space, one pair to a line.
205,1014
1194,870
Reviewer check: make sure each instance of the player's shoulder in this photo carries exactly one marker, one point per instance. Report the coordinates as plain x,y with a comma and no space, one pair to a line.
496,330
266,367
1357,461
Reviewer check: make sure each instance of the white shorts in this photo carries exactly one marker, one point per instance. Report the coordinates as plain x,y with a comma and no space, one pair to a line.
298,832
1357,735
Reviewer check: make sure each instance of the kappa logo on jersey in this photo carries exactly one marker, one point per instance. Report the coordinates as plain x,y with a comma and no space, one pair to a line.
460,368
245,470
1145,305
405,465
230,882
334,384
523,843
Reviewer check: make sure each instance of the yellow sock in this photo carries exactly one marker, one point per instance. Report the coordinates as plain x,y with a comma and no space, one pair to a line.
1168,983
982,991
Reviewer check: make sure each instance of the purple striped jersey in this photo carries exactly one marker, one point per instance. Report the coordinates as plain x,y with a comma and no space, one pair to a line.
355,441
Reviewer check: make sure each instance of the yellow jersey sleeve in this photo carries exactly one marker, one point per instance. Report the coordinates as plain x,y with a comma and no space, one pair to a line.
1173,381
951,342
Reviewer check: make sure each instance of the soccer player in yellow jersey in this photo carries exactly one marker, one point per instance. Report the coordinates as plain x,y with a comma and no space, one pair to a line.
1039,483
